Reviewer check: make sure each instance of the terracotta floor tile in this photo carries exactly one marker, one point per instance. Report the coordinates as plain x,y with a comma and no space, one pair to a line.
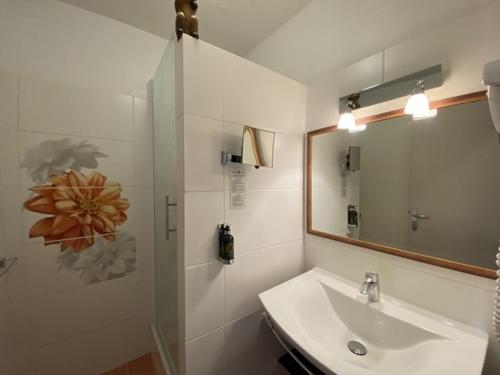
142,366
122,370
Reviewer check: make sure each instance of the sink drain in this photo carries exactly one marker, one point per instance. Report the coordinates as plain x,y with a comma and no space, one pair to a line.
357,348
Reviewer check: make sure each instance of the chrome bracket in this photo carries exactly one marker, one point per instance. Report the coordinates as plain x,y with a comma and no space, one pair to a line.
230,158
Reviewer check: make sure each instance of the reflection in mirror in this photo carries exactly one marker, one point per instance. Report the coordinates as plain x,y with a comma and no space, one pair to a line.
258,147
430,187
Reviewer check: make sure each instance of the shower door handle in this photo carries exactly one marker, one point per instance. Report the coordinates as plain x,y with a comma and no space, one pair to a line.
168,229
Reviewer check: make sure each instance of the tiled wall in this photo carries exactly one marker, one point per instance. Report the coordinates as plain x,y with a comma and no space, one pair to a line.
221,93
74,312
463,47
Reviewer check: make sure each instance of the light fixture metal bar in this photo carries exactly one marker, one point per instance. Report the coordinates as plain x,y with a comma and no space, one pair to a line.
433,77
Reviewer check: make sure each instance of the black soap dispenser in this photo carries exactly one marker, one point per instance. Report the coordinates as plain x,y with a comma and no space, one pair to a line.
226,244
352,216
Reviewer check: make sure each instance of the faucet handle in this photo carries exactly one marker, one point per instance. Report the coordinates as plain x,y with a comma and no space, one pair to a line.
371,277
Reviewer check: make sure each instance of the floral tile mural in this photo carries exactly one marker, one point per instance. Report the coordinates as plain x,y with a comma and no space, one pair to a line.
79,211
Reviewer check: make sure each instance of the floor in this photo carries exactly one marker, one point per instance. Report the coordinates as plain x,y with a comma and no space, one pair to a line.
140,366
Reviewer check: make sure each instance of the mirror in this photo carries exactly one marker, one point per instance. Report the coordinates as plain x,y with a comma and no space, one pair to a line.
426,190
258,147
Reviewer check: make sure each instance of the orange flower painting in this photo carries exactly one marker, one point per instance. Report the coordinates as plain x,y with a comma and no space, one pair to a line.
79,207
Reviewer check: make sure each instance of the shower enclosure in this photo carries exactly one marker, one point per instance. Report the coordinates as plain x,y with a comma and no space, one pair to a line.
166,259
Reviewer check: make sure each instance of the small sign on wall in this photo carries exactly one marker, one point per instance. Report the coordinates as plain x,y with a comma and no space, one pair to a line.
238,187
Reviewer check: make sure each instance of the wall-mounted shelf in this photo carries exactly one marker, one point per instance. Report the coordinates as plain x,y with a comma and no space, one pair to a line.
5,265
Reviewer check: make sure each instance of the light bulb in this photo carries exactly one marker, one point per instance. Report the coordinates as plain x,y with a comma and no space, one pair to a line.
346,120
357,128
418,103
431,113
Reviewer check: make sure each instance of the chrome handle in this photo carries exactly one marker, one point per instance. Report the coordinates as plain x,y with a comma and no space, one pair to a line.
416,215
420,216
168,229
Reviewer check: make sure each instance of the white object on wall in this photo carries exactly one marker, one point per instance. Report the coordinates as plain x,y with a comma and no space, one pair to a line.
491,78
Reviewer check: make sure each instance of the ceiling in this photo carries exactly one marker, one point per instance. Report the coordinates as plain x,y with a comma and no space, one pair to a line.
331,34
235,25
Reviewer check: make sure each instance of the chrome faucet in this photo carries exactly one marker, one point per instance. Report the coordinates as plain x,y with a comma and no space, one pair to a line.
371,287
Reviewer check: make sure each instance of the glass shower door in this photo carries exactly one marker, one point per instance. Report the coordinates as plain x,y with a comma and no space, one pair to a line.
164,144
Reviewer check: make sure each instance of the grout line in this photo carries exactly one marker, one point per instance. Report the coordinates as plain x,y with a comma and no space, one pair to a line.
249,252
75,288
204,334
231,322
232,122
77,136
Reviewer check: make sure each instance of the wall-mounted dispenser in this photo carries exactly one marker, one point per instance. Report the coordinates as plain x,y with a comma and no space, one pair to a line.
352,216
226,244
353,159
257,149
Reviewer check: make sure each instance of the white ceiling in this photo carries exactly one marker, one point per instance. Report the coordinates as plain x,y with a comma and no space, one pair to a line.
235,25
330,34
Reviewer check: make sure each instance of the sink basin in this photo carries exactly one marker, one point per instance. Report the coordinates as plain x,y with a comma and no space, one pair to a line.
319,313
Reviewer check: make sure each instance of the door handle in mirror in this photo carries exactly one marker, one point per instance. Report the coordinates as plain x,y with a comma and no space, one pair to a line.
415,217
420,216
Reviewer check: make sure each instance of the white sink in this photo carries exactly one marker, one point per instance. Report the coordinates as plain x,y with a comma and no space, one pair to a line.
319,313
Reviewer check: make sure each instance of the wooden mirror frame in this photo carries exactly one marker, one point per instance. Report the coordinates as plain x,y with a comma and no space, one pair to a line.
457,266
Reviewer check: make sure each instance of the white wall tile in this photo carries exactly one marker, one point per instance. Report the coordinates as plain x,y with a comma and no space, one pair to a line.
428,291
345,260
250,348
258,97
204,299
269,218
9,164
12,215
251,95
203,213
202,154
143,120
20,337
117,165
143,164
360,75
287,169
203,66
52,107
205,355
93,352
44,274
256,272
84,309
